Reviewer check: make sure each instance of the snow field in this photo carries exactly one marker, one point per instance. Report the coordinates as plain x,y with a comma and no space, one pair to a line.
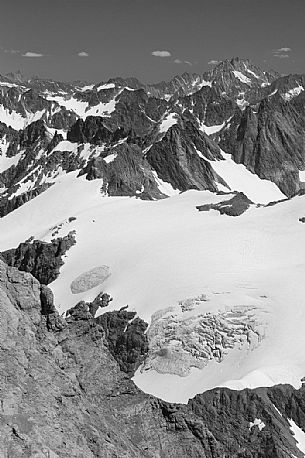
161,252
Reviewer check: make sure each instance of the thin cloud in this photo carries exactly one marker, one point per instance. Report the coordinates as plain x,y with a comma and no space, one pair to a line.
282,56
161,53
179,61
281,50
282,53
213,62
83,54
32,54
11,51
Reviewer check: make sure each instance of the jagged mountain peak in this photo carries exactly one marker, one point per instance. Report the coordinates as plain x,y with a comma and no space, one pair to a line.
243,70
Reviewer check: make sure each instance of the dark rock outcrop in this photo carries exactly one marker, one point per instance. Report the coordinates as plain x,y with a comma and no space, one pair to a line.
124,334
236,206
102,300
42,259
93,130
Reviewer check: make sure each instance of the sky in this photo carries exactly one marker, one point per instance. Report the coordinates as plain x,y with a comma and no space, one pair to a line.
153,40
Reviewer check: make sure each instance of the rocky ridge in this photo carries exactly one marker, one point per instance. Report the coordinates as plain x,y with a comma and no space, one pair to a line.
151,141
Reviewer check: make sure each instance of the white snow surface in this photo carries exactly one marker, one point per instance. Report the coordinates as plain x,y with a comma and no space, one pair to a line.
5,161
161,252
294,92
110,158
257,422
106,86
169,121
298,434
11,118
302,175
83,109
239,178
88,87
165,187
6,84
209,130
243,78
85,150
15,120
204,83
252,73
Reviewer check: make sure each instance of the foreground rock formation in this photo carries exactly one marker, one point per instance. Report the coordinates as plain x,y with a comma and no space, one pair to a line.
63,394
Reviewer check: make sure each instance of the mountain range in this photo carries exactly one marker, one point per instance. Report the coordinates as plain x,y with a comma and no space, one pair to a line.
151,266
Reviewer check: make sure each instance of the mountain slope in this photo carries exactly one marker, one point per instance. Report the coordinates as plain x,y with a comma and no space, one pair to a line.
163,253
64,395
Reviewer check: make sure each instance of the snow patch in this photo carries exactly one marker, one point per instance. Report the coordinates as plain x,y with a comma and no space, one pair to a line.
110,158
204,83
169,121
298,434
252,73
66,146
165,187
243,78
257,422
105,86
293,93
5,161
89,87
239,178
209,130
302,175
11,118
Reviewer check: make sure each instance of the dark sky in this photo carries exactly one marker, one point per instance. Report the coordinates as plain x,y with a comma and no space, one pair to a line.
119,36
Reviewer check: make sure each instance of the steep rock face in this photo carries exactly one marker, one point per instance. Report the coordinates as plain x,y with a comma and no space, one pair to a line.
136,113
209,106
268,436
127,173
28,176
127,342
176,160
269,143
93,130
43,260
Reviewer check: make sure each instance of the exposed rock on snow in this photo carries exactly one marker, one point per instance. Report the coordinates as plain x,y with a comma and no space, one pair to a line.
90,279
42,259
126,338
231,207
